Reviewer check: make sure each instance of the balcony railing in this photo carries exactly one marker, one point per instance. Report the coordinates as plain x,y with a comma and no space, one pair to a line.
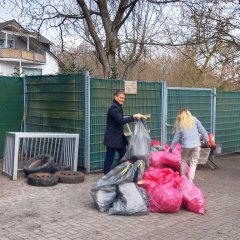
22,54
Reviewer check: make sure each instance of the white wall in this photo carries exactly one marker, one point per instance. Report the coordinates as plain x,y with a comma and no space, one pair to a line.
51,66
6,68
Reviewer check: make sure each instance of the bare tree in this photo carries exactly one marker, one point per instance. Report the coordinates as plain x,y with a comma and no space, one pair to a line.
119,30
210,35
124,33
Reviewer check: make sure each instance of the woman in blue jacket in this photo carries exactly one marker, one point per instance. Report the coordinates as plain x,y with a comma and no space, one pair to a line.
187,128
114,138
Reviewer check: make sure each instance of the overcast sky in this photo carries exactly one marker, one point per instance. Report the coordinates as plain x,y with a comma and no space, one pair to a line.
5,15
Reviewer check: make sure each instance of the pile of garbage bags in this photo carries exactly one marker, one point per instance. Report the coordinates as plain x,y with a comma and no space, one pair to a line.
147,181
167,190
117,192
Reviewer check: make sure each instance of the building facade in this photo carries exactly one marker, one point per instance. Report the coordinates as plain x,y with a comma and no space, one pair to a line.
25,53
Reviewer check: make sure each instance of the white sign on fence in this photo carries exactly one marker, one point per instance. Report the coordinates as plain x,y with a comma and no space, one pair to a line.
130,87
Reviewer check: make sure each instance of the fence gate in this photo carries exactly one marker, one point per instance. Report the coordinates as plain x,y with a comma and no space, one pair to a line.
200,101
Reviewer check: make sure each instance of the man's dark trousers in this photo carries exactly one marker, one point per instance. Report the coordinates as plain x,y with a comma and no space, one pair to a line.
110,156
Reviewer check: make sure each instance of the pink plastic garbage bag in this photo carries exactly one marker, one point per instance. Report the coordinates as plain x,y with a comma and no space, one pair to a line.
173,159
157,159
148,185
165,199
192,196
161,176
155,142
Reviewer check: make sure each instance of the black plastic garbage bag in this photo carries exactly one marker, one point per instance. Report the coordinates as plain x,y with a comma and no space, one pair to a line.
139,144
104,197
139,167
144,195
129,201
122,173
104,190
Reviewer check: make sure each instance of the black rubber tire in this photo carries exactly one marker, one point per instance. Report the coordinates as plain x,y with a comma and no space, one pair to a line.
40,163
60,167
42,179
70,177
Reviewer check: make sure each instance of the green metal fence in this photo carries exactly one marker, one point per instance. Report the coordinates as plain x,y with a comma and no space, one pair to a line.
11,106
148,100
78,104
57,104
198,101
228,121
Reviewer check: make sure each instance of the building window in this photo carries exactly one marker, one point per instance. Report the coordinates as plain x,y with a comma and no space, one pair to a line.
10,43
2,42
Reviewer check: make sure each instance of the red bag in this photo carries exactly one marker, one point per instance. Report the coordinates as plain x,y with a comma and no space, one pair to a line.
155,142
156,159
165,199
192,197
161,176
148,185
173,159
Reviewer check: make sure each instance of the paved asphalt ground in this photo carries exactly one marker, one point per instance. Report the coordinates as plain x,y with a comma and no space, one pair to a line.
66,211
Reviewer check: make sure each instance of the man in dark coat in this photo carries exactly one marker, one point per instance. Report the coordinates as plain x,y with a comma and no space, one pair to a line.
114,138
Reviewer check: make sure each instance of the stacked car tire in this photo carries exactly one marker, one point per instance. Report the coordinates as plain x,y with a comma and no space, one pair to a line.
41,170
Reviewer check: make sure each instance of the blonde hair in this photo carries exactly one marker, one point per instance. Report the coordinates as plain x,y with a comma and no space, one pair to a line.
184,120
